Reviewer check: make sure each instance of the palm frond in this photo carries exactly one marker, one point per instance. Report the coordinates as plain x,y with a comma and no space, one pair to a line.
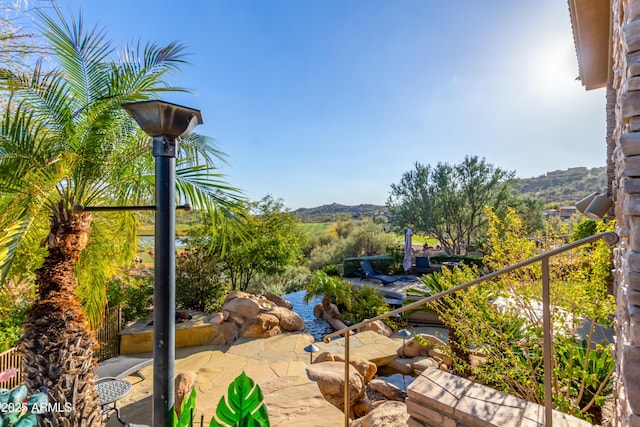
82,53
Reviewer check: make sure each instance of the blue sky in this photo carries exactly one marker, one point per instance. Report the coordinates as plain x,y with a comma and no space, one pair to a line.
322,101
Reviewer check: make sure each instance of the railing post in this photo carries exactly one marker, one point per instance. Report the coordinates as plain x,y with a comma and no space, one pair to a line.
346,379
547,347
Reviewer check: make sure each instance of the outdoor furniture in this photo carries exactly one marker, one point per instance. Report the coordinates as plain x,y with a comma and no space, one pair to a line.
370,273
422,265
110,390
123,366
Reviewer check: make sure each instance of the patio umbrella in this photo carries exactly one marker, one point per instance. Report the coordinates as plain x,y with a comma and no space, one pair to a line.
406,264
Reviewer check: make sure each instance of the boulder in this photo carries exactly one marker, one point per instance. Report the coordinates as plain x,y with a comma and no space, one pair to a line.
412,348
236,294
289,320
318,311
227,335
434,341
421,365
263,325
325,356
278,300
362,407
377,326
184,382
404,365
440,356
388,390
216,318
243,307
387,414
366,368
330,379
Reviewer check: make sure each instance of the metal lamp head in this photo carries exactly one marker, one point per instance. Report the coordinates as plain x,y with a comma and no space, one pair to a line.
583,204
160,118
594,206
598,207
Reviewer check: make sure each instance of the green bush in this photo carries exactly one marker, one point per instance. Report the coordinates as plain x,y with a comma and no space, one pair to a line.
200,282
134,294
366,303
292,279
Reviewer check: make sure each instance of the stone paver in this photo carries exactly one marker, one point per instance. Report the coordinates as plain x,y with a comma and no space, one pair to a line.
277,364
367,345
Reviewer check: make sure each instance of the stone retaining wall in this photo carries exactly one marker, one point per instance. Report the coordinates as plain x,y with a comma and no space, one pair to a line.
623,98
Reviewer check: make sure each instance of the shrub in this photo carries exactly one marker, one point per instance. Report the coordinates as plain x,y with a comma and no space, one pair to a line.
200,283
292,279
366,303
134,294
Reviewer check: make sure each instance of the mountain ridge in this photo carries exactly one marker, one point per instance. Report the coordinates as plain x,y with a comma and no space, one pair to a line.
560,186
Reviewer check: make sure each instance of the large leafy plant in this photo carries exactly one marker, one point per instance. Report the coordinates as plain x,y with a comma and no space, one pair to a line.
16,409
243,407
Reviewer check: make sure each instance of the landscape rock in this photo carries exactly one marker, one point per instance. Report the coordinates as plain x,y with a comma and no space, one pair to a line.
440,356
216,318
278,300
387,414
236,294
366,368
377,326
289,320
229,331
318,311
412,348
330,379
388,390
325,356
362,407
263,325
403,365
421,365
244,307
183,384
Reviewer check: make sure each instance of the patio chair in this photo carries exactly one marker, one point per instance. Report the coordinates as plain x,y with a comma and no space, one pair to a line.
369,273
422,265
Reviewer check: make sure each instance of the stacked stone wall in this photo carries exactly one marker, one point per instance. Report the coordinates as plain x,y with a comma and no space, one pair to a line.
623,101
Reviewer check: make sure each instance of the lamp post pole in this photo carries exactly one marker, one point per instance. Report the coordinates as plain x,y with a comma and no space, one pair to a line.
164,296
165,123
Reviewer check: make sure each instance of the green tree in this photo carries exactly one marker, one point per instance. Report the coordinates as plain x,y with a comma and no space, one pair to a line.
447,202
268,239
65,140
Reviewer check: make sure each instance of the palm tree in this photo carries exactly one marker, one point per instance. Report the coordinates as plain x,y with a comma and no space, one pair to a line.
65,140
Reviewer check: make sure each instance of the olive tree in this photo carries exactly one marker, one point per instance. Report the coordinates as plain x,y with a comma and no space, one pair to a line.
447,201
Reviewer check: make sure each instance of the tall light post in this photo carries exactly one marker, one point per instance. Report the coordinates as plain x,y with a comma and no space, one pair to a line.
165,123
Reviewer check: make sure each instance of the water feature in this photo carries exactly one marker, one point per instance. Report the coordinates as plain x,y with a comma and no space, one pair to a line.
317,328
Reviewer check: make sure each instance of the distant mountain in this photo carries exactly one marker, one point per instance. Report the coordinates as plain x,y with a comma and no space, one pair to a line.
560,186
564,186
327,213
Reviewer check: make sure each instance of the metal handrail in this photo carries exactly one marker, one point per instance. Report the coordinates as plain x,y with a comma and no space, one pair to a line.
611,238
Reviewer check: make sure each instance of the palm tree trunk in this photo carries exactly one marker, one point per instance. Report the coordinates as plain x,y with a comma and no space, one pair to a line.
58,345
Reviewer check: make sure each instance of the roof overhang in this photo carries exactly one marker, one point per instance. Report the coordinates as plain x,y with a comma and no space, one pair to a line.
591,22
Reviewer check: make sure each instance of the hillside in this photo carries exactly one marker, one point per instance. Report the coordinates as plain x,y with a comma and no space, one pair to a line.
564,186
329,213
561,187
